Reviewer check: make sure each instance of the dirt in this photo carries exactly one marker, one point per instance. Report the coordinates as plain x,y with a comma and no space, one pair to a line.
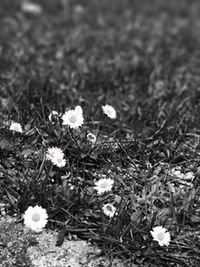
21,247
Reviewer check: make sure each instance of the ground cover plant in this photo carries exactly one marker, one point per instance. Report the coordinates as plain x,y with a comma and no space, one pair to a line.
125,178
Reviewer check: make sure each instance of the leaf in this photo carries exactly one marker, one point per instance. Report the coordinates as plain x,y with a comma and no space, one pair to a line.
178,160
94,155
136,216
118,199
163,213
6,145
84,155
90,190
12,199
27,152
61,238
195,218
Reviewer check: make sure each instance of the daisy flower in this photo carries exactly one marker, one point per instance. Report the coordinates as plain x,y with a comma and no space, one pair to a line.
109,210
56,156
109,111
91,138
73,117
35,218
16,127
53,115
161,235
103,185
32,8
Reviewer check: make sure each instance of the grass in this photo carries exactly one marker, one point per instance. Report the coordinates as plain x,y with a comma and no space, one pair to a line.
143,59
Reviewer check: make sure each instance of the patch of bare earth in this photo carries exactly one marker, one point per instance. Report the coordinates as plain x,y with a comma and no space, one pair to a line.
21,247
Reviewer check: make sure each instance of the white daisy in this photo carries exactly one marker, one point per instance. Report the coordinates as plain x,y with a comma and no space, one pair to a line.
109,210
161,235
56,156
32,8
91,138
73,117
35,218
109,111
59,162
103,185
53,115
16,127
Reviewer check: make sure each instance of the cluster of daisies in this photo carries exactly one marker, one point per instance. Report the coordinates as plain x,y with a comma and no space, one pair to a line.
36,217
73,118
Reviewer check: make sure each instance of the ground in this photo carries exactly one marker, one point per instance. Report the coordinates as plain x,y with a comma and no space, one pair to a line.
141,57
21,247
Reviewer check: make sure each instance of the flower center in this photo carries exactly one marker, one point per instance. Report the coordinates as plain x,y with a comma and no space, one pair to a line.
91,137
72,118
36,217
104,185
109,208
160,236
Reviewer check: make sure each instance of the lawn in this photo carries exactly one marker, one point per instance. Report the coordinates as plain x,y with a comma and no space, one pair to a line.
143,59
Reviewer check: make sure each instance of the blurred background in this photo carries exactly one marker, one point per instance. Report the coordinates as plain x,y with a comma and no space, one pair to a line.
140,56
